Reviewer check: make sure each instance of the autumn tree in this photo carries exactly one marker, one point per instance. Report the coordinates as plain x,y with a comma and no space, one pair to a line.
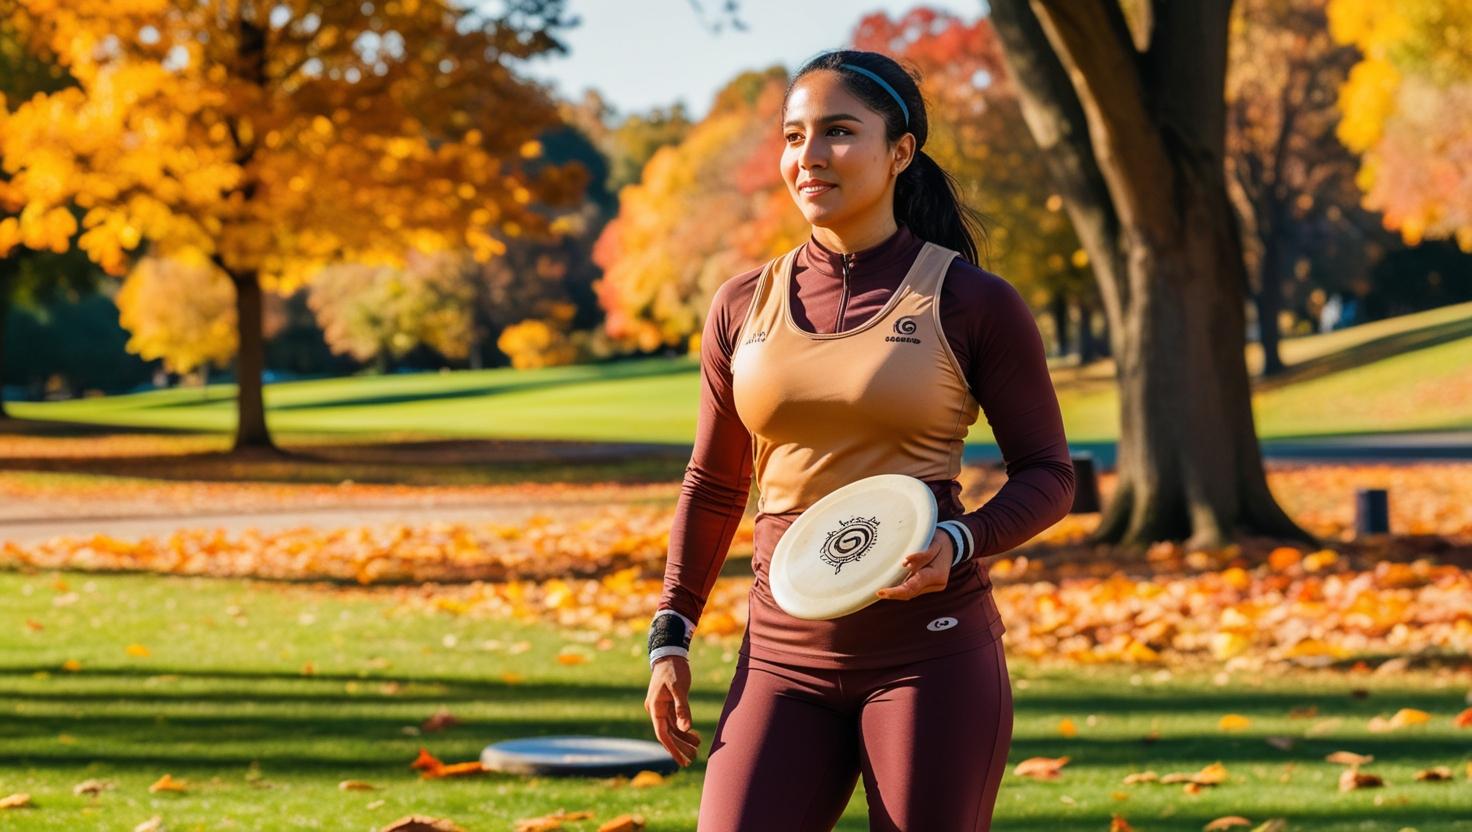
277,139
704,209
185,336
1131,114
1290,179
378,313
33,276
1408,109
978,134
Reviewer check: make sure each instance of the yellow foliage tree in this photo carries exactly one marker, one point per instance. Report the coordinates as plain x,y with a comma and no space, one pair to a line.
277,138
536,343
184,335
1406,109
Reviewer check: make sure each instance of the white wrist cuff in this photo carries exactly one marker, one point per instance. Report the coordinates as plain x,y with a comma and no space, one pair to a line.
671,650
961,537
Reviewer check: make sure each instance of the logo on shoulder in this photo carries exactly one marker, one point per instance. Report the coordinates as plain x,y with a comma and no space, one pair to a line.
904,328
756,338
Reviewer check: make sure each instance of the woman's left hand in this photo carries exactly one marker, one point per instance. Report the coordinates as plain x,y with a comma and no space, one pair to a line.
929,570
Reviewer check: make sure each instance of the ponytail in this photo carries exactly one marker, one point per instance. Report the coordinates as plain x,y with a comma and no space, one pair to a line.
927,201
926,197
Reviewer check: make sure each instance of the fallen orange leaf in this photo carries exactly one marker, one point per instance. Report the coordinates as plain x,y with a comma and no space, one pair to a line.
1234,722
1040,768
425,760
623,823
15,801
1353,778
1067,728
547,823
647,778
167,783
1463,719
1226,823
137,650
1434,774
1119,824
1349,758
454,770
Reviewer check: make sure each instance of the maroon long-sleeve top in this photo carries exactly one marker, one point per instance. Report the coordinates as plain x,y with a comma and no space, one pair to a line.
995,340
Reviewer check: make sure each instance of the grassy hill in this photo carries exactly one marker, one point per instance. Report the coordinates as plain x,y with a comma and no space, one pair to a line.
1408,373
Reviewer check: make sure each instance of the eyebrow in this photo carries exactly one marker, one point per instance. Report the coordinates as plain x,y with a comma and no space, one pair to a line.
825,119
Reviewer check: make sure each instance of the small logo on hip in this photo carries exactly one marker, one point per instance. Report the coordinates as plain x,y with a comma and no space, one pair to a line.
945,622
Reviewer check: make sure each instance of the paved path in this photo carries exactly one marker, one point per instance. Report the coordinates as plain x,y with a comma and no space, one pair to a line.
1380,447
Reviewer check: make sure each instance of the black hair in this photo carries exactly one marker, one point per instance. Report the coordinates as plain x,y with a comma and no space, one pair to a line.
926,198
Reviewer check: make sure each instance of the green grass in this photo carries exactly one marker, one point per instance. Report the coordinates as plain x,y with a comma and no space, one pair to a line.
221,702
1405,373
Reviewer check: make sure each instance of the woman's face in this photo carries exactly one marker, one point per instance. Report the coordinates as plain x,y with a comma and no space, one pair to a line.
832,137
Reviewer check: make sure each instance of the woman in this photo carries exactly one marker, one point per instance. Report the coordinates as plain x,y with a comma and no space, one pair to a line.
869,349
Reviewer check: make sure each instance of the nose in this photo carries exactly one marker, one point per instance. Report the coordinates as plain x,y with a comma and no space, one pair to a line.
814,152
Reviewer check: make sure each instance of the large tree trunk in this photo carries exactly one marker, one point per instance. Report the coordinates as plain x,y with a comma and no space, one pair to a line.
250,364
1135,142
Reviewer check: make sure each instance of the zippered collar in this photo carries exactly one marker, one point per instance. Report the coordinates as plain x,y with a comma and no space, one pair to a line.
895,253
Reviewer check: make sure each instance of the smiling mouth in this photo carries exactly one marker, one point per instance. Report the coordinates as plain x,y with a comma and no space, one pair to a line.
814,190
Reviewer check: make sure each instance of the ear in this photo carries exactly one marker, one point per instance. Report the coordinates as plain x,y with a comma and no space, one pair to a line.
904,153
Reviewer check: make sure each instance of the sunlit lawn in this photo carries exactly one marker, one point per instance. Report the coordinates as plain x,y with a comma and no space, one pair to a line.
1406,373
222,700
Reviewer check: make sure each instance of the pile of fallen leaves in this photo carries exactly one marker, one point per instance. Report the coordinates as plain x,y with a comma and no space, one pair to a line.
1216,774
583,541
1306,607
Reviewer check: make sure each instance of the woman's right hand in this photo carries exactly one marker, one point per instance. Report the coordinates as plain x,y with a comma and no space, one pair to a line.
668,706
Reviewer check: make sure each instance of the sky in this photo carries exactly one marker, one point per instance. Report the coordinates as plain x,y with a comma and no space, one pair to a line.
645,53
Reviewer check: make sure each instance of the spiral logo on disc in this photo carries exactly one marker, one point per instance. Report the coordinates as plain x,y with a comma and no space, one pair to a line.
905,326
849,541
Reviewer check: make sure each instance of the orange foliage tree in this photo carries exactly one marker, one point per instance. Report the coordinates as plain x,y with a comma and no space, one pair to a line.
275,139
1408,109
705,208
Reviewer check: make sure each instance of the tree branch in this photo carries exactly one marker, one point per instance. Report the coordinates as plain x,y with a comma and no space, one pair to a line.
1093,44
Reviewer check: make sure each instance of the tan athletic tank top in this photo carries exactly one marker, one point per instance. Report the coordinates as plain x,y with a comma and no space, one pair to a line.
824,410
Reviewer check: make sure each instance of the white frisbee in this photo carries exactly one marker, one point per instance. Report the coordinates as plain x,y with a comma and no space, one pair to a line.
849,544
577,754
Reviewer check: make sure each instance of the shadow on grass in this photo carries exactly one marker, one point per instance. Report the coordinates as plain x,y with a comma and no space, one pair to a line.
1367,352
336,730
612,372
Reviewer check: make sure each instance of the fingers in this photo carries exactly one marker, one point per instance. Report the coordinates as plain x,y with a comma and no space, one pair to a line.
680,742
926,575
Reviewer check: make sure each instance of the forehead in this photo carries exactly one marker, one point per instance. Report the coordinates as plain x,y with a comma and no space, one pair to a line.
822,93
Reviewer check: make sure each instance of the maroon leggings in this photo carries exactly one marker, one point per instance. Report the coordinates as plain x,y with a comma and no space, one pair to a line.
930,737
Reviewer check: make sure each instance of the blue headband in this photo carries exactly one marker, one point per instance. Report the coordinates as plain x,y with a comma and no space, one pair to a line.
887,88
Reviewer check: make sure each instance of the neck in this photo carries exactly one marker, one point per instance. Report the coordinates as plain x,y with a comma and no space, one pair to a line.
856,236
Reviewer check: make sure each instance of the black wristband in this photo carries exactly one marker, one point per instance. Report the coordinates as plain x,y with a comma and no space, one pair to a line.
668,631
